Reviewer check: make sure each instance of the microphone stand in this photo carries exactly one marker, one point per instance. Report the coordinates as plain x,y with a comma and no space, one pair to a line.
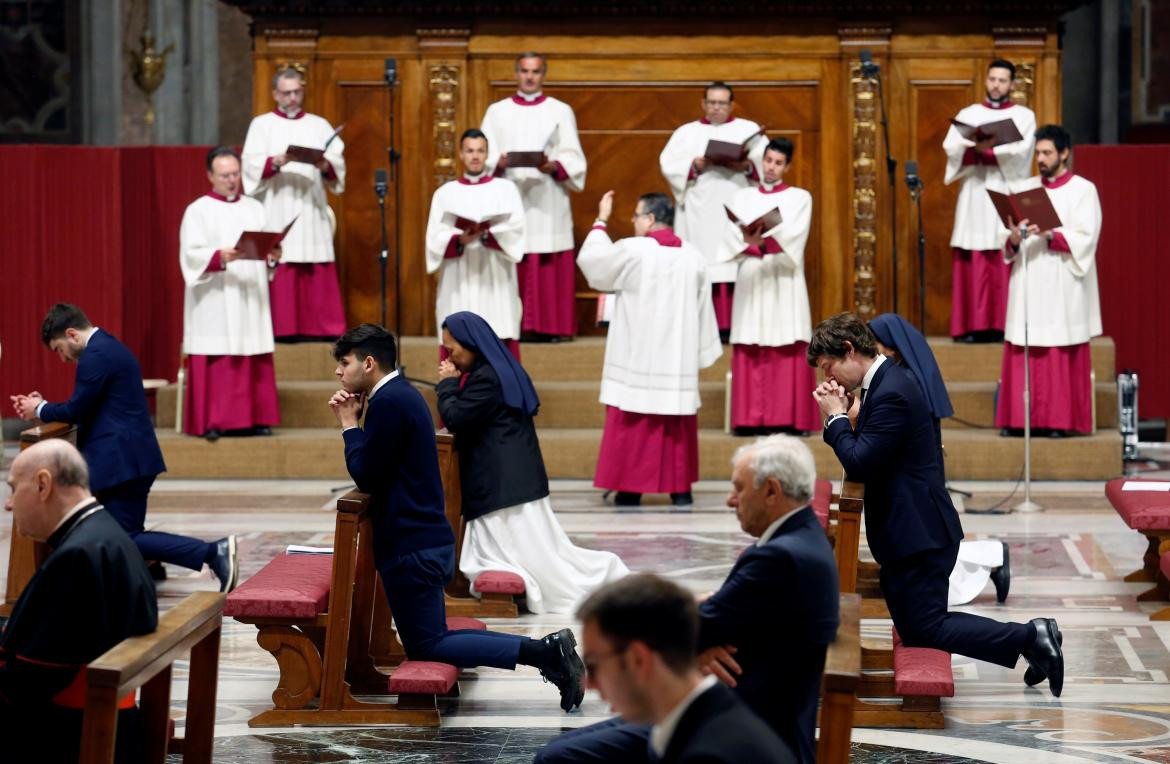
1027,505
873,71
916,195
394,156
384,256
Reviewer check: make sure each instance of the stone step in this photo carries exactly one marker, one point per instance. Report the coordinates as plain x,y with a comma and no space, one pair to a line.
317,453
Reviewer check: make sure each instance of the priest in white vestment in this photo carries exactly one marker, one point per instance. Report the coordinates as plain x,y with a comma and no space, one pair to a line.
701,187
227,325
979,276
477,263
662,332
770,321
1063,310
531,121
306,299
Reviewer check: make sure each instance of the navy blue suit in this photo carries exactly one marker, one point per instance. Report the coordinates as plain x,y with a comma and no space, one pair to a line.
116,437
393,457
779,607
911,525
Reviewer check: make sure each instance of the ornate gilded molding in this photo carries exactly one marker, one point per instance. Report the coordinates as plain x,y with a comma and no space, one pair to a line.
1024,83
443,79
863,91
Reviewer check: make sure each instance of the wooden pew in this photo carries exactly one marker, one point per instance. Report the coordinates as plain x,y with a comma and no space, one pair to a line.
498,590
191,626
839,685
24,554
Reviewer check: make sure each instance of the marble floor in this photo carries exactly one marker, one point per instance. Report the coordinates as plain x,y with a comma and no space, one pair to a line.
1067,561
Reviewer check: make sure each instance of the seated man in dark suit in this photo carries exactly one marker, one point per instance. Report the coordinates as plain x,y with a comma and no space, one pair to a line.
911,525
640,637
91,592
392,456
116,436
766,630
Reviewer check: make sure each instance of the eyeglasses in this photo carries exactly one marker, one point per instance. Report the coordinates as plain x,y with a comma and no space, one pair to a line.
721,104
637,215
593,661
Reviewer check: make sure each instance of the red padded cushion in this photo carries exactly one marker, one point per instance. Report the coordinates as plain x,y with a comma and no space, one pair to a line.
922,671
822,497
463,622
292,586
499,582
1141,510
423,678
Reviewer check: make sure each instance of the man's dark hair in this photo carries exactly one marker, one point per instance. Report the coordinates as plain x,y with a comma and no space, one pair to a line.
658,205
62,316
531,54
649,609
1003,63
220,151
720,85
472,132
829,338
783,145
367,340
1055,133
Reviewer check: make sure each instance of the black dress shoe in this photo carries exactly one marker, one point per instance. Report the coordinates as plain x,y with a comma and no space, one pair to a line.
1045,656
683,499
627,499
1002,576
212,435
226,564
157,571
1032,676
567,672
262,429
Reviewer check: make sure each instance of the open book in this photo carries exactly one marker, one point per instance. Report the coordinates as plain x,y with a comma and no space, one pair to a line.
475,223
726,152
518,159
765,222
1001,131
308,155
257,245
1032,205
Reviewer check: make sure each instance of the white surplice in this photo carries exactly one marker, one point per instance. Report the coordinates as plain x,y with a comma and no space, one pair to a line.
699,216
977,226
1064,307
527,540
972,570
224,312
771,297
540,123
296,189
663,327
482,279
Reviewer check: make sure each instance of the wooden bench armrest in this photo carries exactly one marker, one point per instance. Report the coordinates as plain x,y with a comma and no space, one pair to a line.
47,430
354,502
132,662
843,658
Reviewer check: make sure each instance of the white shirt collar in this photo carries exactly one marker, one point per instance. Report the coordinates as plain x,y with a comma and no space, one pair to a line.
661,733
76,508
867,380
381,382
475,178
92,331
530,97
770,531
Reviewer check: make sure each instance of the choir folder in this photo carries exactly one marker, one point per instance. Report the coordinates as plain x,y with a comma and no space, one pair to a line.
765,222
311,156
517,159
1001,131
726,152
473,223
1032,205
256,245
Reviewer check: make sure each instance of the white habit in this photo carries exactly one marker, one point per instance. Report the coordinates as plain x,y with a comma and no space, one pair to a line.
1063,304
663,327
296,188
977,226
699,216
972,570
539,123
771,298
483,278
225,312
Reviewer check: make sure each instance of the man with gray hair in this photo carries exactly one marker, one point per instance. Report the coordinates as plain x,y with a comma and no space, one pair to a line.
766,630
92,592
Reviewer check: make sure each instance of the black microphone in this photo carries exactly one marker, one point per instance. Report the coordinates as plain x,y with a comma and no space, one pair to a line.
913,182
869,67
391,71
380,185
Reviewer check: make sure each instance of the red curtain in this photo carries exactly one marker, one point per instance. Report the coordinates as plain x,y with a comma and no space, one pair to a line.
1134,185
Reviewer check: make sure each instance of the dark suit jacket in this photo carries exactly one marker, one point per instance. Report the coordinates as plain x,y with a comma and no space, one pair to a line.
717,728
499,456
779,607
392,457
115,434
895,452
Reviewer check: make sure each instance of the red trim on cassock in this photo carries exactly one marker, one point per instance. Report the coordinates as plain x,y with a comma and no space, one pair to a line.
489,240
781,186
723,300
282,115
485,178
770,387
329,173
1007,103
705,121
222,198
599,227
1058,182
215,264
520,101
648,453
988,157
230,392
1059,243
548,283
772,247
452,250
559,175
306,299
269,169
1062,395
665,237
970,156
979,289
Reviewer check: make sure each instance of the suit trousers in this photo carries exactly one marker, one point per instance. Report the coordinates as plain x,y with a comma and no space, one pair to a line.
915,588
127,503
608,741
414,585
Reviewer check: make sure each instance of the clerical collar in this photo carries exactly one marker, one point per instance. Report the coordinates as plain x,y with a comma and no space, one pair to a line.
705,121
1006,103
772,188
1057,182
222,198
79,512
475,180
280,113
381,383
665,237
528,99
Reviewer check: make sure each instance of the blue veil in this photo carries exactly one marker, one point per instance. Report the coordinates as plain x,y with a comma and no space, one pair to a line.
473,333
897,333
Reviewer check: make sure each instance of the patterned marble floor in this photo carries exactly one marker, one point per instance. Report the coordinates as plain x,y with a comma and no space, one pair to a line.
1066,561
